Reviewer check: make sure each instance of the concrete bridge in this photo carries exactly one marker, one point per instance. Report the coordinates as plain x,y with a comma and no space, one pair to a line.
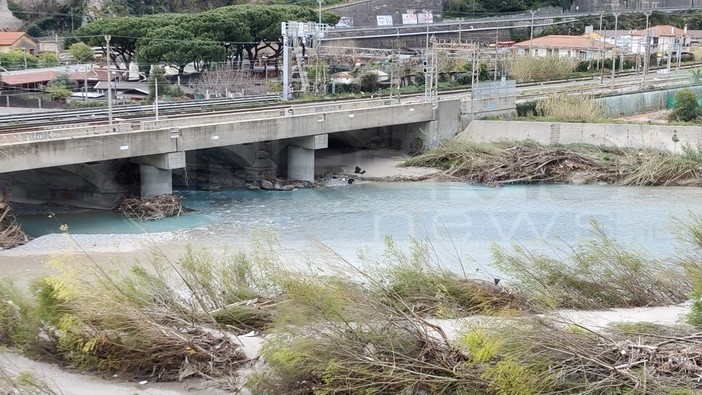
255,144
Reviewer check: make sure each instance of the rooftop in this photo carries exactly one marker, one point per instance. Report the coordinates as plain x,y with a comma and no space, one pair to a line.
9,38
661,31
564,41
33,76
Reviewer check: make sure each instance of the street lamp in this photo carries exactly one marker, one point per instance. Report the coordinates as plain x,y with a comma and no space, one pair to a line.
24,51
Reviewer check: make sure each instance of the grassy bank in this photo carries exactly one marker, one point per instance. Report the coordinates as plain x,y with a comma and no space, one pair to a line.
510,162
377,329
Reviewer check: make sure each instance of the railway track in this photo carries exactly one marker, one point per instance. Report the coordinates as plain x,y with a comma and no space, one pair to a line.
526,91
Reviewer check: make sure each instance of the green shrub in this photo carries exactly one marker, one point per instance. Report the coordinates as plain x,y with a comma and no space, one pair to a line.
526,109
686,108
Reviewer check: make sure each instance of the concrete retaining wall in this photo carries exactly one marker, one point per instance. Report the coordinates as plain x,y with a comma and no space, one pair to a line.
364,13
639,102
621,135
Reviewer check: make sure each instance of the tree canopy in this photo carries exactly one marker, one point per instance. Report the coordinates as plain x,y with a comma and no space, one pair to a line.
178,39
479,8
81,52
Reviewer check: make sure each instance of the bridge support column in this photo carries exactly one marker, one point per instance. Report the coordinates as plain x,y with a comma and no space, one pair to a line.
155,172
301,156
155,181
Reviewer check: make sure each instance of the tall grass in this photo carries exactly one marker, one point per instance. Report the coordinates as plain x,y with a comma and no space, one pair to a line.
654,167
571,108
598,273
532,68
165,320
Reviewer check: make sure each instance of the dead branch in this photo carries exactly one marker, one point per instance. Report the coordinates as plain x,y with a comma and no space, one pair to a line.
149,209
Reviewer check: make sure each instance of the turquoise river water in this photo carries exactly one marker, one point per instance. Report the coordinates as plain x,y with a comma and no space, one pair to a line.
460,220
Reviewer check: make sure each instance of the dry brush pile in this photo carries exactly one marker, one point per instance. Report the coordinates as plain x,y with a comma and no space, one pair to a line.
511,162
11,234
152,208
380,329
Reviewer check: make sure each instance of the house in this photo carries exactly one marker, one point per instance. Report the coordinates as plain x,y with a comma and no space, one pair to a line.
662,38
50,45
342,78
564,46
21,41
35,78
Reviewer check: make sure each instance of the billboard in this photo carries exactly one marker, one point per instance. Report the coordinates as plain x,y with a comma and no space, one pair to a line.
409,19
345,21
425,17
384,20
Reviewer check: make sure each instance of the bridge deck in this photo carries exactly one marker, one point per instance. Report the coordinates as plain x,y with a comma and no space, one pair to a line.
82,144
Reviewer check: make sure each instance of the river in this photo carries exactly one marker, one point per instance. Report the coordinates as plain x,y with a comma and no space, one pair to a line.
460,220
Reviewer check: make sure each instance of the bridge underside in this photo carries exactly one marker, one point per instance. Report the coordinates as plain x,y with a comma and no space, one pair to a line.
102,185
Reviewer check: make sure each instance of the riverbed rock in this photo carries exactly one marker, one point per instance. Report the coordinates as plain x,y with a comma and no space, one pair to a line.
267,185
288,187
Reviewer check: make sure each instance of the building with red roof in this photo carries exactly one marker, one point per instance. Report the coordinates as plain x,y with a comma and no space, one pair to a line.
21,41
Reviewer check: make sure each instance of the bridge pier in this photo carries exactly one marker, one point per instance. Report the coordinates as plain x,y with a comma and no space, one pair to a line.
301,156
155,172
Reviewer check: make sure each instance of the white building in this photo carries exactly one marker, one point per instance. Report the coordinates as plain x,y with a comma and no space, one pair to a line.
662,39
564,46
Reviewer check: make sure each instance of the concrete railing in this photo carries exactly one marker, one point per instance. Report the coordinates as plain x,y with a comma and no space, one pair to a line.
190,120
76,130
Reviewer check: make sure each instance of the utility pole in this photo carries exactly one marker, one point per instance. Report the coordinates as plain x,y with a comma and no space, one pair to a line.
156,96
531,36
286,61
647,56
497,40
320,2
601,54
427,74
109,83
616,20
604,43
85,84
459,29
